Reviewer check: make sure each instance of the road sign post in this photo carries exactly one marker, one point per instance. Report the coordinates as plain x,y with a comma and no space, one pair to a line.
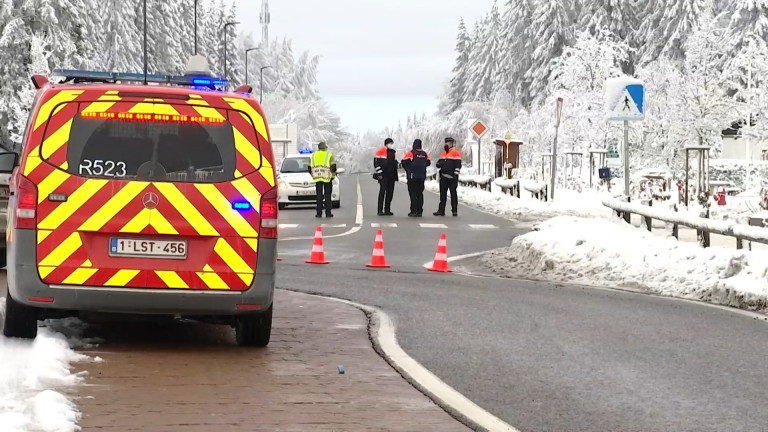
558,115
625,101
478,129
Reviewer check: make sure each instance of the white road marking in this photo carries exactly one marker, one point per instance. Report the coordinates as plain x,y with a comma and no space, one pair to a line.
428,225
456,258
386,339
383,225
354,229
482,226
334,225
289,226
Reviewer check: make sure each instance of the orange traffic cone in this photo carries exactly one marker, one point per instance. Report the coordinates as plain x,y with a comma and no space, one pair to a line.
440,264
318,256
377,259
279,259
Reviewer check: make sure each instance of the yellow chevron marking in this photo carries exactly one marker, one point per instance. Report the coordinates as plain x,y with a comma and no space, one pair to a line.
231,257
75,201
62,251
209,112
256,119
87,263
160,223
247,278
45,271
247,119
79,276
238,174
116,203
250,193
253,243
247,149
186,209
138,223
207,268
155,100
111,92
33,161
224,207
122,278
171,279
50,183
42,235
61,97
164,108
153,108
213,281
100,107
56,140
64,165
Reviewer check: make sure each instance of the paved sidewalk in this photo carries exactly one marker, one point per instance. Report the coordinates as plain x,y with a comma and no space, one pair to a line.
191,377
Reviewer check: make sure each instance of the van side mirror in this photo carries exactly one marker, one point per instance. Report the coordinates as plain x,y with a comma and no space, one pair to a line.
8,161
340,170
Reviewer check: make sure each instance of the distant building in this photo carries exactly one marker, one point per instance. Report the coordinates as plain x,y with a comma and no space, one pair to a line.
735,145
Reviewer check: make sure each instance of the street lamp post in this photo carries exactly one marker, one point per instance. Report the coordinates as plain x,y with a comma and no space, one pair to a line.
195,27
246,63
225,46
558,115
261,83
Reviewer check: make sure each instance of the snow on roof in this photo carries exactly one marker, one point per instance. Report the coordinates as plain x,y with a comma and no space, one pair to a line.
698,148
596,150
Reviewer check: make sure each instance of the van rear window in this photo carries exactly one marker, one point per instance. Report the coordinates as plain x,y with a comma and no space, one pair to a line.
152,147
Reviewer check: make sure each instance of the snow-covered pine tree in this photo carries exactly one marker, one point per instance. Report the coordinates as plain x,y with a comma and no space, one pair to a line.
235,65
516,50
474,82
123,43
668,25
305,77
552,29
166,33
485,69
15,50
458,82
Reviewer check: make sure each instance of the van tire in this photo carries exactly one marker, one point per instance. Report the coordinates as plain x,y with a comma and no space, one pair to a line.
20,320
281,206
336,204
255,329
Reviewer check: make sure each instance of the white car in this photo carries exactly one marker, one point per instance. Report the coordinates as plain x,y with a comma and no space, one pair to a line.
296,186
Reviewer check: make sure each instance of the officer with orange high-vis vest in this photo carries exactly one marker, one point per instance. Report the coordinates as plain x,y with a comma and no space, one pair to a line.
449,165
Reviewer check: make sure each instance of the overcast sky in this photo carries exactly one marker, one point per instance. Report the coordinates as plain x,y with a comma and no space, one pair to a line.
380,59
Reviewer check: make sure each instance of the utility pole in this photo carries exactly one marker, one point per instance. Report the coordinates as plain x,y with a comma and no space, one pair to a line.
246,63
264,20
231,23
626,157
195,27
261,84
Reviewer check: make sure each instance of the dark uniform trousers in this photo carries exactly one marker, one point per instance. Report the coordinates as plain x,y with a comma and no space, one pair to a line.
447,184
416,191
386,190
324,191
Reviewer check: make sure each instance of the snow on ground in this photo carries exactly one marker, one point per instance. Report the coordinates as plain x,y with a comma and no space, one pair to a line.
34,375
527,208
608,252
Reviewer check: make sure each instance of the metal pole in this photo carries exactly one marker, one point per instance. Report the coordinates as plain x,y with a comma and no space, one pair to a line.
225,46
686,178
479,157
261,83
626,157
554,163
145,42
246,67
195,27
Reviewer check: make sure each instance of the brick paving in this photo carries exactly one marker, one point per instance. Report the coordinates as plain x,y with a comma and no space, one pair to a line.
192,377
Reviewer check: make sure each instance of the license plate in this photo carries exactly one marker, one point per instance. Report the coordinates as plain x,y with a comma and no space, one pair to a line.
148,248
305,192
5,192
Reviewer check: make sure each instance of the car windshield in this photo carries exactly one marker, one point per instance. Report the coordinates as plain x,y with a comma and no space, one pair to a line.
295,165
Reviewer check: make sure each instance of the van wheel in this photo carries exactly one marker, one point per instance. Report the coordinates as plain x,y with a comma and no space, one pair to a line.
254,330
336,204
20,320
281,206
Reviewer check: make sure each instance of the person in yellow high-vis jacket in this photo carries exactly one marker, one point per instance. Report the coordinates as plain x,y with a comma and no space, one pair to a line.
323,170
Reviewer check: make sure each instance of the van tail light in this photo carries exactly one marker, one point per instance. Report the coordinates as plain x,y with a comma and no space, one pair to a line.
269,214
26,203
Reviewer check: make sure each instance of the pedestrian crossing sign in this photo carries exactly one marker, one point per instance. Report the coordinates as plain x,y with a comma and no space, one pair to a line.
624,99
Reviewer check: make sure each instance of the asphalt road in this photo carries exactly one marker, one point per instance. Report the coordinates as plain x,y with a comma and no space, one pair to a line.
541,356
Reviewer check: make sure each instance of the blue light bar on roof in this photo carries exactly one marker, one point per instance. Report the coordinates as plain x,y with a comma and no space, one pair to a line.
305,151
140,77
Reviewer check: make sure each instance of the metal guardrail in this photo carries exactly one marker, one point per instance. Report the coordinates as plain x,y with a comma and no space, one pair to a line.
703,226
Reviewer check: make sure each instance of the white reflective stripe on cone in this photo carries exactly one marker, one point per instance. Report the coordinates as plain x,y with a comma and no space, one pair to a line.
317,248
441,257
378,252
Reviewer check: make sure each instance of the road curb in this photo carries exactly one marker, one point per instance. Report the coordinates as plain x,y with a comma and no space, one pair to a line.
382,333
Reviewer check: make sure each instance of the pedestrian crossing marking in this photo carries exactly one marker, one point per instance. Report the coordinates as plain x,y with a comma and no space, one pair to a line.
429,225
334,225
482,226
289,225
383,225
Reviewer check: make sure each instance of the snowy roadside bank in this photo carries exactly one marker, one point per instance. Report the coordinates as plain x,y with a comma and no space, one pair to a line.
608,252
34,377
527,208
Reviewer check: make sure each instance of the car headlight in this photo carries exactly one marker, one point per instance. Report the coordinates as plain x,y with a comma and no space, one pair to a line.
282,184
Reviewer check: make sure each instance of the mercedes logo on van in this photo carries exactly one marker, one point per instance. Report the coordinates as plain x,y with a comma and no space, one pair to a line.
150,200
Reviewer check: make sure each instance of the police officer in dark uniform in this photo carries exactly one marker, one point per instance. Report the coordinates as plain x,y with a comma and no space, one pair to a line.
385,171
450,167
415,163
